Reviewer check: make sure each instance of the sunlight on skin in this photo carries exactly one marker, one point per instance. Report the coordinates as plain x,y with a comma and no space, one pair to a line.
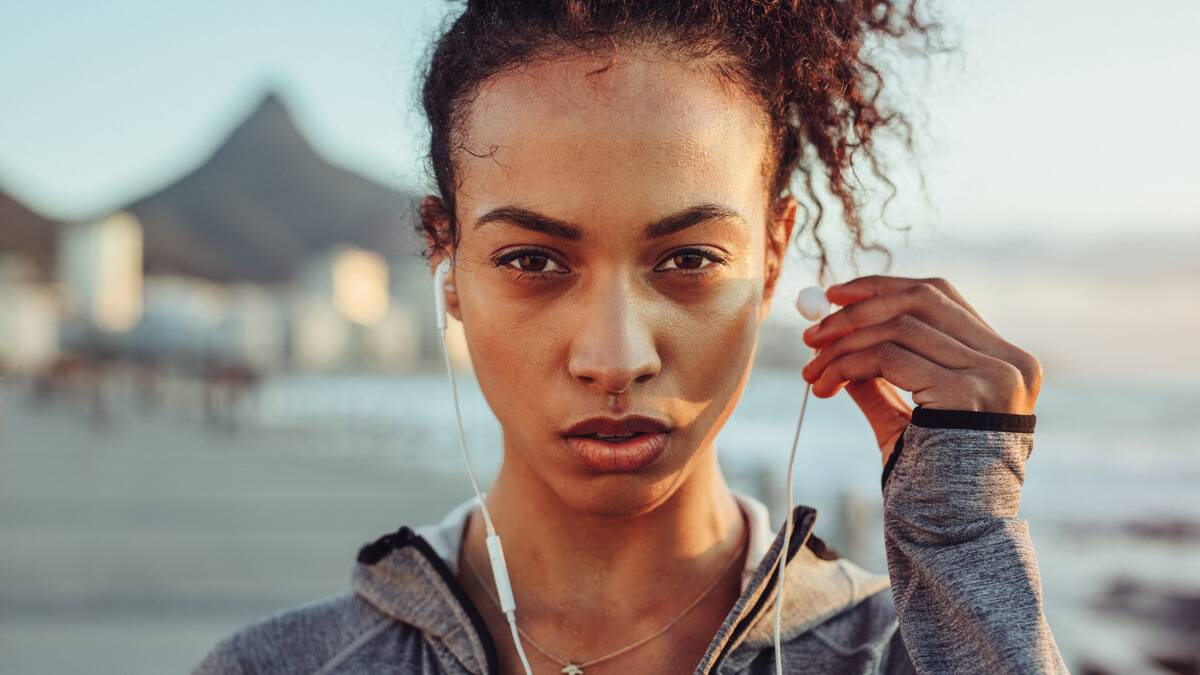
597,152
553,324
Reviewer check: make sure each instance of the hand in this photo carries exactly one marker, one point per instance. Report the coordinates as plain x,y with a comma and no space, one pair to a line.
921,336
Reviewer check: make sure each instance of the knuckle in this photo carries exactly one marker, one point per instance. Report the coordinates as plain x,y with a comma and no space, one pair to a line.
1029,367
929,291
1038,373
906,325
925,293
889,352
939,283
1010,376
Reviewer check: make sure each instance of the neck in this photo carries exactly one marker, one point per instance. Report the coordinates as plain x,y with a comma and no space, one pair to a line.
634,571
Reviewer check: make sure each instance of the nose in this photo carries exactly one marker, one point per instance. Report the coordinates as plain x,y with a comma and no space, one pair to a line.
613,346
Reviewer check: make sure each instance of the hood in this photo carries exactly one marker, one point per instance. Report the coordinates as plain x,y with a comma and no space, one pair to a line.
411,575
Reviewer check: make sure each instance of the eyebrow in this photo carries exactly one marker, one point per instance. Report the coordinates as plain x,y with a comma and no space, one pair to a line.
554,227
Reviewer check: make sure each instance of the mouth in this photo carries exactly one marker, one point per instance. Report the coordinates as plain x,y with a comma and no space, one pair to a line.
609,428
627,444
609,439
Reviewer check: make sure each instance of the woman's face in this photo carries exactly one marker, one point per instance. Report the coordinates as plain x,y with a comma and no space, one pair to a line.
564,293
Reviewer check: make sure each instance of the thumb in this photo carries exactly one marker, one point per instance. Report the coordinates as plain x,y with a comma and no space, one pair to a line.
885,410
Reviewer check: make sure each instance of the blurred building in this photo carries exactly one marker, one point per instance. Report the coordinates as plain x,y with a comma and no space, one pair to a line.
265,256
100,268
199,323
29,298
343,314
28,316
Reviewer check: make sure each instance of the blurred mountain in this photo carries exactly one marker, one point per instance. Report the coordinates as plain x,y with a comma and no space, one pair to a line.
263,203
26,232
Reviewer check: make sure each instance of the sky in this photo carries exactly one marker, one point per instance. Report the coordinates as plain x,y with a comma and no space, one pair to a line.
1056,119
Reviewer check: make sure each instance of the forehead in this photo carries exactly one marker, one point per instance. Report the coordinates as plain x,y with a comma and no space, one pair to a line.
647,135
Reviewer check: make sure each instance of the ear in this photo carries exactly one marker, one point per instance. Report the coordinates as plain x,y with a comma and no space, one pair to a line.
435,221
779,233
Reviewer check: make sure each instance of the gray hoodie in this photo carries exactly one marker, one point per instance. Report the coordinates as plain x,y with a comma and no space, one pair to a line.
962,595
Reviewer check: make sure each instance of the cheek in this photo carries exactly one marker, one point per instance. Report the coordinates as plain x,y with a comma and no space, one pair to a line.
515,347
720,335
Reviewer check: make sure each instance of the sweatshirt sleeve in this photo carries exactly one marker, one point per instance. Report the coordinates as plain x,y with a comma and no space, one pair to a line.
963,571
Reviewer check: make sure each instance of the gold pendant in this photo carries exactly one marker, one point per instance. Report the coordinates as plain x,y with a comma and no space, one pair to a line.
572,669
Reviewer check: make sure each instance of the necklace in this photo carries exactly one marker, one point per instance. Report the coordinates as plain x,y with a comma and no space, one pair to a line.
573,668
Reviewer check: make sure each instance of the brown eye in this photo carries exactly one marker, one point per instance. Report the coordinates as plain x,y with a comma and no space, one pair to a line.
691,259
533,263
529,261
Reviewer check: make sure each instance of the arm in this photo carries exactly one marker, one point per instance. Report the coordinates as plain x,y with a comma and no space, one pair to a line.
963,573
964,576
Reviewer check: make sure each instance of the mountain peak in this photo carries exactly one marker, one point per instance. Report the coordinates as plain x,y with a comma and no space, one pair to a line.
269,119
264,202
271,103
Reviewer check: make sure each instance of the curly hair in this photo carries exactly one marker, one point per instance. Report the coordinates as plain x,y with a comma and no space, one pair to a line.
807,63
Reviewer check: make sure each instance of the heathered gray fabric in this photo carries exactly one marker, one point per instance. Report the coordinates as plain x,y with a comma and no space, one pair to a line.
964,593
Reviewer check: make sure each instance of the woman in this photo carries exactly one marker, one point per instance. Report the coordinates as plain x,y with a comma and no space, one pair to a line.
612,184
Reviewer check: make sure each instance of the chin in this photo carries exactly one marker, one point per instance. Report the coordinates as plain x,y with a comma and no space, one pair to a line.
620,495
617,496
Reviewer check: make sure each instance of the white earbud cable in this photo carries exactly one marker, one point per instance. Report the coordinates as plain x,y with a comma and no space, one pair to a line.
813,304
495,553
787,537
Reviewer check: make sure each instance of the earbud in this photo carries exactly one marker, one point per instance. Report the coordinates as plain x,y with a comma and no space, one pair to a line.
439,292
812,303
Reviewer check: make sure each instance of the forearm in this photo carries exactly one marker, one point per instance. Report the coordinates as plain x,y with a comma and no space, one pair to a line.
963,571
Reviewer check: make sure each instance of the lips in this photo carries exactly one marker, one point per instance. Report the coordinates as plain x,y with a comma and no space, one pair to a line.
624,426
605,444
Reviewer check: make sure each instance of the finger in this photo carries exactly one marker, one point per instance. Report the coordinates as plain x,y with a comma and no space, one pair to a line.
904,330
877,284
889,361
923,301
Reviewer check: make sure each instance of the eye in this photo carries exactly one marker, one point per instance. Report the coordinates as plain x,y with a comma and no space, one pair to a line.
691,261
529,261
